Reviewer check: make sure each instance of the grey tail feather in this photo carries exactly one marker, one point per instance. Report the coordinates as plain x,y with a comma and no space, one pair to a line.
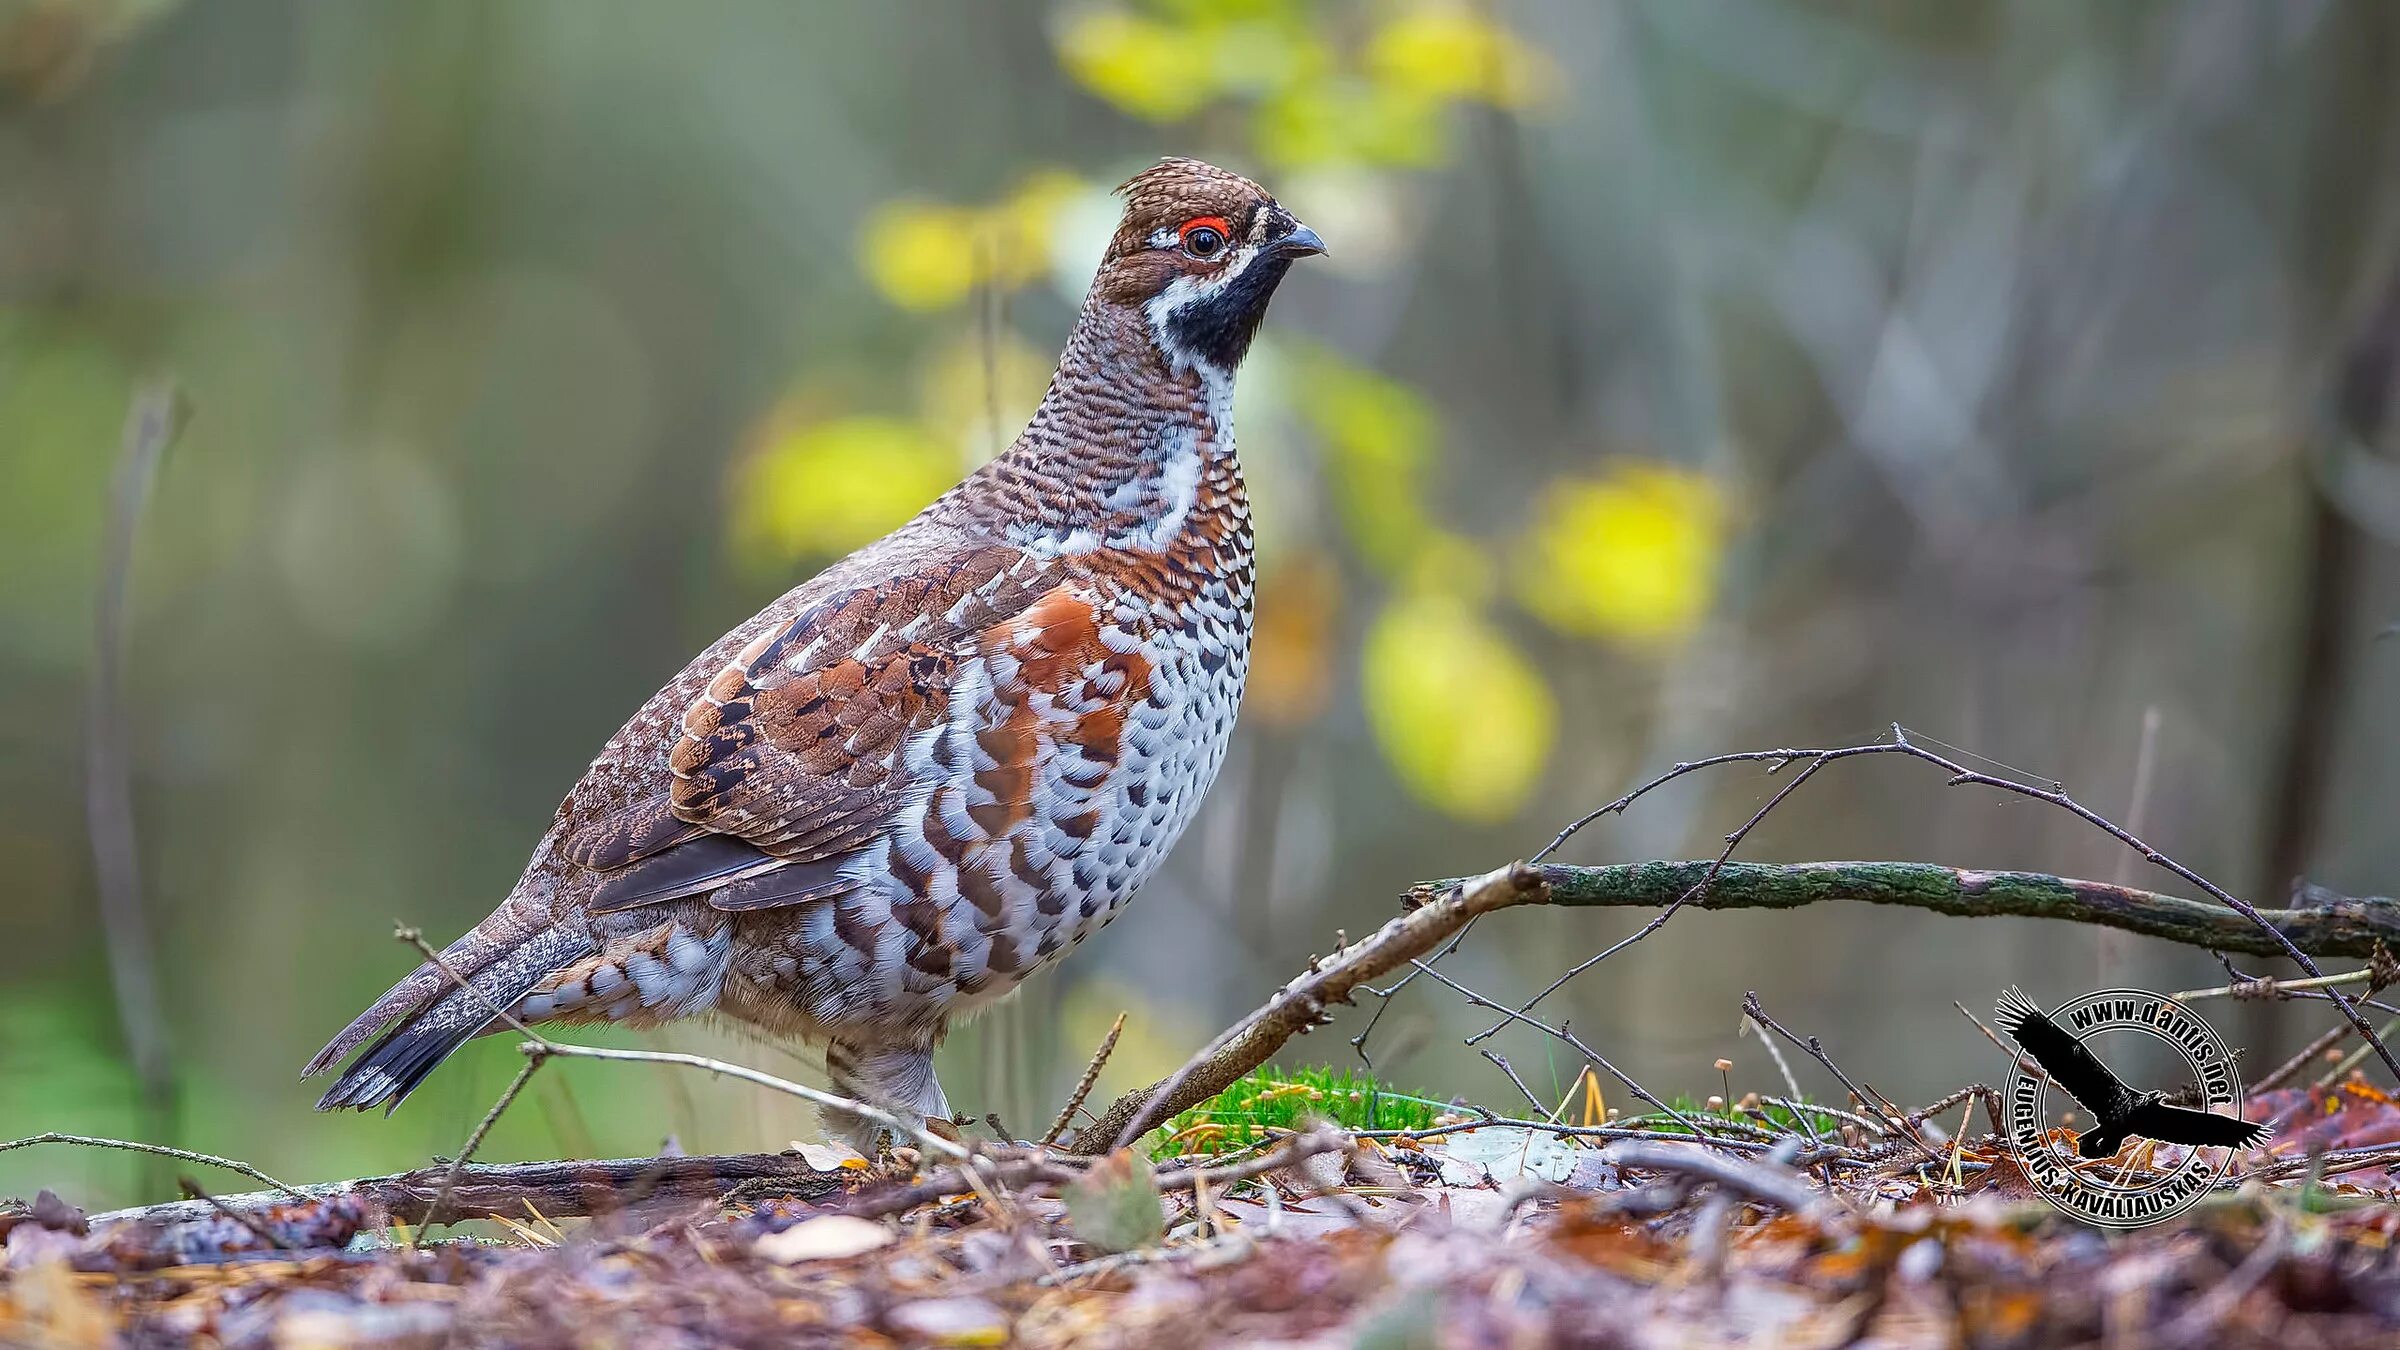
422,1024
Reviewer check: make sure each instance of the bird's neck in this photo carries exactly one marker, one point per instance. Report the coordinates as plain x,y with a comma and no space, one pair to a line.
1129,451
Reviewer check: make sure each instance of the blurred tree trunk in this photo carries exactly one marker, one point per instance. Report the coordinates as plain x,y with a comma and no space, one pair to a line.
2346,205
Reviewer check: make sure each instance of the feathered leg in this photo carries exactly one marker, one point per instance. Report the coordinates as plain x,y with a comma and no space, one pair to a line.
895,1076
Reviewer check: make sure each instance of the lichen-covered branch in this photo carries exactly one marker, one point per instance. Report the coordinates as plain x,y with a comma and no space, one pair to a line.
2329,926
2335,926
556,1190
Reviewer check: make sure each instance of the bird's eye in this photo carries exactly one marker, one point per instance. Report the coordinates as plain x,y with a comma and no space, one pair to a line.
1205,237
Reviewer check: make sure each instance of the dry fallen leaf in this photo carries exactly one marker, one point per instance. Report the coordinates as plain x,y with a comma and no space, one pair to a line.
829,1238
1115,1206
828,1157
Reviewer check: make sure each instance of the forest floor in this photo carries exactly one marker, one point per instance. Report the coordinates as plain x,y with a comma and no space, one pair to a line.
1834,1227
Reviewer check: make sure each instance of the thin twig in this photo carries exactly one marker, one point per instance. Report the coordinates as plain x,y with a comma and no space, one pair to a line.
2307,1056
2203,1315
2351,1060
1693,892
161,1150
1505,1067
1815,1049
257,1230
1560,1033
152,423
466,1152
919,1134
2342,926
2270,987
2055,794
1790,1082
1083,1085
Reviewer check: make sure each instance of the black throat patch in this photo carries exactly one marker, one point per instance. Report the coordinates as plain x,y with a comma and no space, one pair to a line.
1218,329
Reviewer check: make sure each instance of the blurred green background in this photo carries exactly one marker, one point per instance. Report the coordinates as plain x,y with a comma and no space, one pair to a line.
1688,376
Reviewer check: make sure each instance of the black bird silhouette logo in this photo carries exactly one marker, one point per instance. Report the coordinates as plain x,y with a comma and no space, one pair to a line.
2121,1111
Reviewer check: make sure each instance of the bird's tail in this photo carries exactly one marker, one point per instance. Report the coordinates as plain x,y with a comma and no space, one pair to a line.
426,1016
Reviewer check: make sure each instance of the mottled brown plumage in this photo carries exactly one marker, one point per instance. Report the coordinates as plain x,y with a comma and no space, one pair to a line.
905,785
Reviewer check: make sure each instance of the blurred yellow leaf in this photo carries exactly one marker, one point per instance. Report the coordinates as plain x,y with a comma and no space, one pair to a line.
1206,10
1632,554
1292,650
1465,719
824,489
1015,233
1270,53
1152,69
921,255
1451,51
1321,124
1378,435
926,255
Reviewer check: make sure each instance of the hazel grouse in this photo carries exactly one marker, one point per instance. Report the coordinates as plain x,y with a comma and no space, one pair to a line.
904,786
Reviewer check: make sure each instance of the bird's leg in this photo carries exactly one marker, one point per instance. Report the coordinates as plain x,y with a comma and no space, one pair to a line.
898,1077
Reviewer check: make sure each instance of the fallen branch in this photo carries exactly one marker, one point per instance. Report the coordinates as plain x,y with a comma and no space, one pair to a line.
2332,926
559,1190
1301,1005
1759,1182
1960,776
2337,927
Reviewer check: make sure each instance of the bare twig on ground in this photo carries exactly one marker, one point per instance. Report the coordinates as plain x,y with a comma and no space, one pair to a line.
2351,1060
918,1134
195,1191
1790,1082
1761,1182
1501,1063
1756,1012
2201,1320
2308,1055
466,1152
159,1150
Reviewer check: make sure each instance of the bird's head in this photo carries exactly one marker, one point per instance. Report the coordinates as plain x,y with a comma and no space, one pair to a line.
1198,254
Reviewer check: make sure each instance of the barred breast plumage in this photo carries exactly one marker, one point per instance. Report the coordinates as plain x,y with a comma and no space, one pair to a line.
906,785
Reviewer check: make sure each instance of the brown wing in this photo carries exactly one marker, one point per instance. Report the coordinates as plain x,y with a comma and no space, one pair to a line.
795,754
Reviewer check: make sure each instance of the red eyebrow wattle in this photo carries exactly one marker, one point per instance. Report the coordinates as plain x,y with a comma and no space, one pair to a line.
1196,222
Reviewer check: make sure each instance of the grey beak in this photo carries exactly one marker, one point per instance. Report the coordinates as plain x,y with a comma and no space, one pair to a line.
1302,242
